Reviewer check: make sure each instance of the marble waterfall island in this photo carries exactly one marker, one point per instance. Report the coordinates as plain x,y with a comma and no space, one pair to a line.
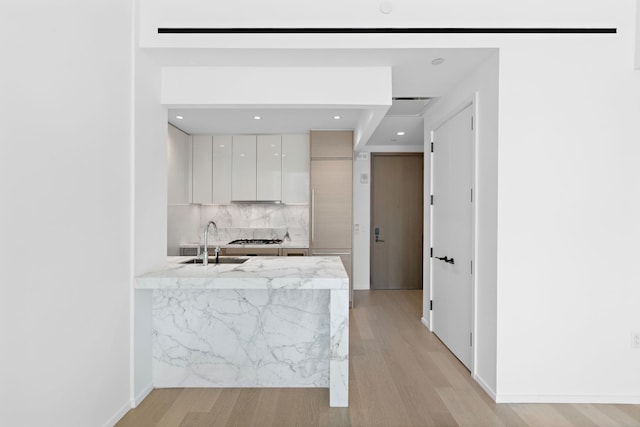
268,322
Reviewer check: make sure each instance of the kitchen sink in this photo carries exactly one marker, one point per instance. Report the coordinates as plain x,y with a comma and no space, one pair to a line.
212,260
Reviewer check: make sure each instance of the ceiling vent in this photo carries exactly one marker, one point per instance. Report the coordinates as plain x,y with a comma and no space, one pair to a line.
408,106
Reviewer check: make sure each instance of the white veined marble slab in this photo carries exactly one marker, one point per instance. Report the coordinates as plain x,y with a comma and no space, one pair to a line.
270,322
311,272
241,338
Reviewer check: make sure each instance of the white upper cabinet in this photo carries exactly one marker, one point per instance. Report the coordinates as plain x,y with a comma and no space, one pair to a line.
227,168
269,168
202,169
222,155
178,166
295,169
243,168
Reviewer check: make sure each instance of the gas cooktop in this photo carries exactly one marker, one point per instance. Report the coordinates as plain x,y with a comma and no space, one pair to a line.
255,242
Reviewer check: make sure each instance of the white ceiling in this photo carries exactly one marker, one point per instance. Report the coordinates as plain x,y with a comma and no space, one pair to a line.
413,76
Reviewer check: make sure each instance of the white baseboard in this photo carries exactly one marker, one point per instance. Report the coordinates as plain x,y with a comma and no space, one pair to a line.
485,387
142,395
525,398
118,415
425,322
127,406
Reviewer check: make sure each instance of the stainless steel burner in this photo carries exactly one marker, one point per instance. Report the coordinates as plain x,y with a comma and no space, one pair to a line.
255,242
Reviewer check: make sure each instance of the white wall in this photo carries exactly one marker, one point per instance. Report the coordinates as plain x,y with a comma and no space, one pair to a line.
568,219
567,177
150,216
481,87
65,196
359,13
361,217
637,34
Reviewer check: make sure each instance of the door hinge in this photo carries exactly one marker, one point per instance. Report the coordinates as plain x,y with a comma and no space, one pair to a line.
470,339
472,195
432,147
431,253
471,266
431,305
432,200
471,122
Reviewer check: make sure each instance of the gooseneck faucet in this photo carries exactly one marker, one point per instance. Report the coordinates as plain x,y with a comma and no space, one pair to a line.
205,254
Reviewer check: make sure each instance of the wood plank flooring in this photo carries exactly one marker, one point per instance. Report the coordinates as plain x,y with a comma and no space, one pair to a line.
400,375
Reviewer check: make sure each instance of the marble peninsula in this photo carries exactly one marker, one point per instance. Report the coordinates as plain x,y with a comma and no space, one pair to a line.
268,322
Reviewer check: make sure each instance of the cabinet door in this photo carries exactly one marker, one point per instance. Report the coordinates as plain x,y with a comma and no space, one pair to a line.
202,169
252,251
331,144
178,166
331,200
269,167
294,252
243,168
295,169
222,169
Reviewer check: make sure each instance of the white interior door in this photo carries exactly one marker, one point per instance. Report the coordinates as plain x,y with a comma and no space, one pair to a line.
452,234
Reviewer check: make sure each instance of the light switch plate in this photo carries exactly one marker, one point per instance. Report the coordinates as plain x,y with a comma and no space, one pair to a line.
364,178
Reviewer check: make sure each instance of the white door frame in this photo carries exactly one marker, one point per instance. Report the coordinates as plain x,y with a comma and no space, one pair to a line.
473,102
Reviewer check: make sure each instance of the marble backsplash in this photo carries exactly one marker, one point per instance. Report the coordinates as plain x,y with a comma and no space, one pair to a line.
258,221
236,221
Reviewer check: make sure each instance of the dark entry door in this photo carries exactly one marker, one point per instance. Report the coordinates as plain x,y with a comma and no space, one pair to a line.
397,183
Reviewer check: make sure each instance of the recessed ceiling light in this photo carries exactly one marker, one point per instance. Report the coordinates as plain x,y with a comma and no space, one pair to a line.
437,61
257,117
400,133
179,117
337,117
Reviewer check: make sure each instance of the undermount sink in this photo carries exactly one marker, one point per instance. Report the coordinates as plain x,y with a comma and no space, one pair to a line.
212,260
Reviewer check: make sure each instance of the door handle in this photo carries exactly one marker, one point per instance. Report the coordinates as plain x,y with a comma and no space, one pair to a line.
313,215
446,259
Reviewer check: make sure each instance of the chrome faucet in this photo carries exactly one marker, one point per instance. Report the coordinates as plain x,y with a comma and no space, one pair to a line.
205,254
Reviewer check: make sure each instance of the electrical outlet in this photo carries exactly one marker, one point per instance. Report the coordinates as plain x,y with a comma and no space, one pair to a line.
635,340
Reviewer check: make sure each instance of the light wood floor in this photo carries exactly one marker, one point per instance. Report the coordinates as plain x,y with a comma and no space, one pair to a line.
400,375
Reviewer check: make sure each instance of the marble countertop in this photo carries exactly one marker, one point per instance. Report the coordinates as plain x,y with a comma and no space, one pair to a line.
317,272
